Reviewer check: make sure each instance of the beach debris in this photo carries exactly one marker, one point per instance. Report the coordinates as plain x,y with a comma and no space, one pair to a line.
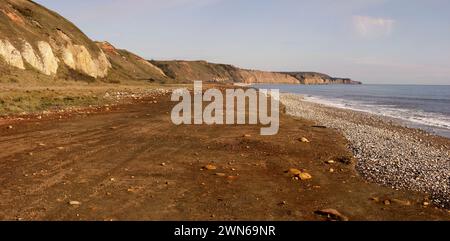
426,204
247,135
304,140
41,144
60,148
74,203
221,174
209,167
332,214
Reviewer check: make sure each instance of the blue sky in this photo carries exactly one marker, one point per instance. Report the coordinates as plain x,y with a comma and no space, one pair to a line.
374,41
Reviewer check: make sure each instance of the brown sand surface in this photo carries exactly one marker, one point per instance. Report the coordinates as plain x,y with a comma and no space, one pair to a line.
131,163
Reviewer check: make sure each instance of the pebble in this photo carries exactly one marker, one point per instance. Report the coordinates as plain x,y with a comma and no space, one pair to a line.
305,176
210,167
297,174
401,202
74,203
387,154
304,140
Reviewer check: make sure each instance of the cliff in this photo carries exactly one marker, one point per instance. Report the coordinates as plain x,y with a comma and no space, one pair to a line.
188,71
37,43
314,78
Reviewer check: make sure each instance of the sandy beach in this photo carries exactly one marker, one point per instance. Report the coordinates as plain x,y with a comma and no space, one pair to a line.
387,152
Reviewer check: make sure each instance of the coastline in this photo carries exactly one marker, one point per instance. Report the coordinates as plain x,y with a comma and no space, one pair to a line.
387,153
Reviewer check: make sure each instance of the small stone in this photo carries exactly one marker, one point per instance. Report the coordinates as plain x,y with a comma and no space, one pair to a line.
210,167
294,172
297,174
331,170
305,176
387,202
41,144
74,203
60,148
375,199
221,174
304,140
247,135
163,164
332,214
10,127
112,179
330,162
426,204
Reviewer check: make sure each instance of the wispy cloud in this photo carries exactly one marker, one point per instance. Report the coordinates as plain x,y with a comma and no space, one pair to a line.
370,27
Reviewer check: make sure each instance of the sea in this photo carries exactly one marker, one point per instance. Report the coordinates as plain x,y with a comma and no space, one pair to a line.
417,106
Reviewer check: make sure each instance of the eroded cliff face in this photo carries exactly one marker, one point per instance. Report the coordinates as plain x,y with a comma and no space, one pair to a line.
34,38
313,78
132,65
256,76
188,71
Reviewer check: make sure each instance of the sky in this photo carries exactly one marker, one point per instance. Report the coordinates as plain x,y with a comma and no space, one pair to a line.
373,41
